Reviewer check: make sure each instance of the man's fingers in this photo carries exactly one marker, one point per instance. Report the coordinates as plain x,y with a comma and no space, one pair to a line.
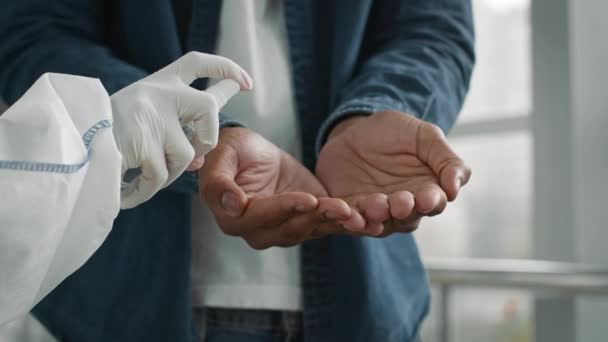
153,176
270,221
433,148
195,65
217,183
333,209
430,200
294,229
290,232
401,204
335,216
407,225
375,210
403,216
356,222
375,207
269,212
453,177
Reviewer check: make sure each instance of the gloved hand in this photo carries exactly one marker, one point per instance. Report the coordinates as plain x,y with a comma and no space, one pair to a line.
149,116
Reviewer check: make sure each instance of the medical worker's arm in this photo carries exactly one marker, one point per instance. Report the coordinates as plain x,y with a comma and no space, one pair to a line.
60,167
58,154
414,69
64,36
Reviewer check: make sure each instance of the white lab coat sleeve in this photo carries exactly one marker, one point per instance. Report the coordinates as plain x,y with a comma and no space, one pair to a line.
59,186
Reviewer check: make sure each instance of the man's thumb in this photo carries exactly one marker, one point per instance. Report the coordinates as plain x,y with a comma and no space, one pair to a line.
232,204
217,183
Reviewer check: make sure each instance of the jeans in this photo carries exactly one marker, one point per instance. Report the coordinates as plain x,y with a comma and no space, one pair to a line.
238,325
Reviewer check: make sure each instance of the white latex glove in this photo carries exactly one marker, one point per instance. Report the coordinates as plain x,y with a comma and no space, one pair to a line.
149,116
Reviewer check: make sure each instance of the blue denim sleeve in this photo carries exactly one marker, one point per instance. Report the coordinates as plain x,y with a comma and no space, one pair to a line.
417,57
38,36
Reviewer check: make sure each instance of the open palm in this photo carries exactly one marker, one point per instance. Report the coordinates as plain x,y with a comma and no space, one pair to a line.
259,192
394,168
265,170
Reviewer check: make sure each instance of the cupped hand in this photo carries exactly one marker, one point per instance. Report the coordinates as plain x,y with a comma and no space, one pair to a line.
393,168
262,194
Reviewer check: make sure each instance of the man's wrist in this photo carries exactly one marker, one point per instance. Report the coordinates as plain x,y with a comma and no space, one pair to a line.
344,125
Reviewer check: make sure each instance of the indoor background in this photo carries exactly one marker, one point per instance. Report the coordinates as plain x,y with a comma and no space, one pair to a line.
534,132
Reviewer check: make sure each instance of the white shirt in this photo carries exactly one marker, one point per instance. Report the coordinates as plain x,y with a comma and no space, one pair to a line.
226,271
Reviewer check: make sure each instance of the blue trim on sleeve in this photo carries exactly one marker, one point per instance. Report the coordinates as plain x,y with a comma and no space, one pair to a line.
87,138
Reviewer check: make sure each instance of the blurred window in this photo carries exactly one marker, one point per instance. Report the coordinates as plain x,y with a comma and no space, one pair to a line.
492,217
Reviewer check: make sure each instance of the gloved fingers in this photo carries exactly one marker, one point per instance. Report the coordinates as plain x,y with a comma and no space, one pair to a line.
196,164
194,105
179,153
195,65
153,176
206,135
199,110
223,91
198,160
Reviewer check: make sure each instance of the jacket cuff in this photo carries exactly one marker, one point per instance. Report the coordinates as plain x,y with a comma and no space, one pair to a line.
364,106
228,122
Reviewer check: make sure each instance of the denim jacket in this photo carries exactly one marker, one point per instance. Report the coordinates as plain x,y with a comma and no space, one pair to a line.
348,57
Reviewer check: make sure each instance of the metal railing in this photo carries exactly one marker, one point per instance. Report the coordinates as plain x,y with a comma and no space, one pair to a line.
556,278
